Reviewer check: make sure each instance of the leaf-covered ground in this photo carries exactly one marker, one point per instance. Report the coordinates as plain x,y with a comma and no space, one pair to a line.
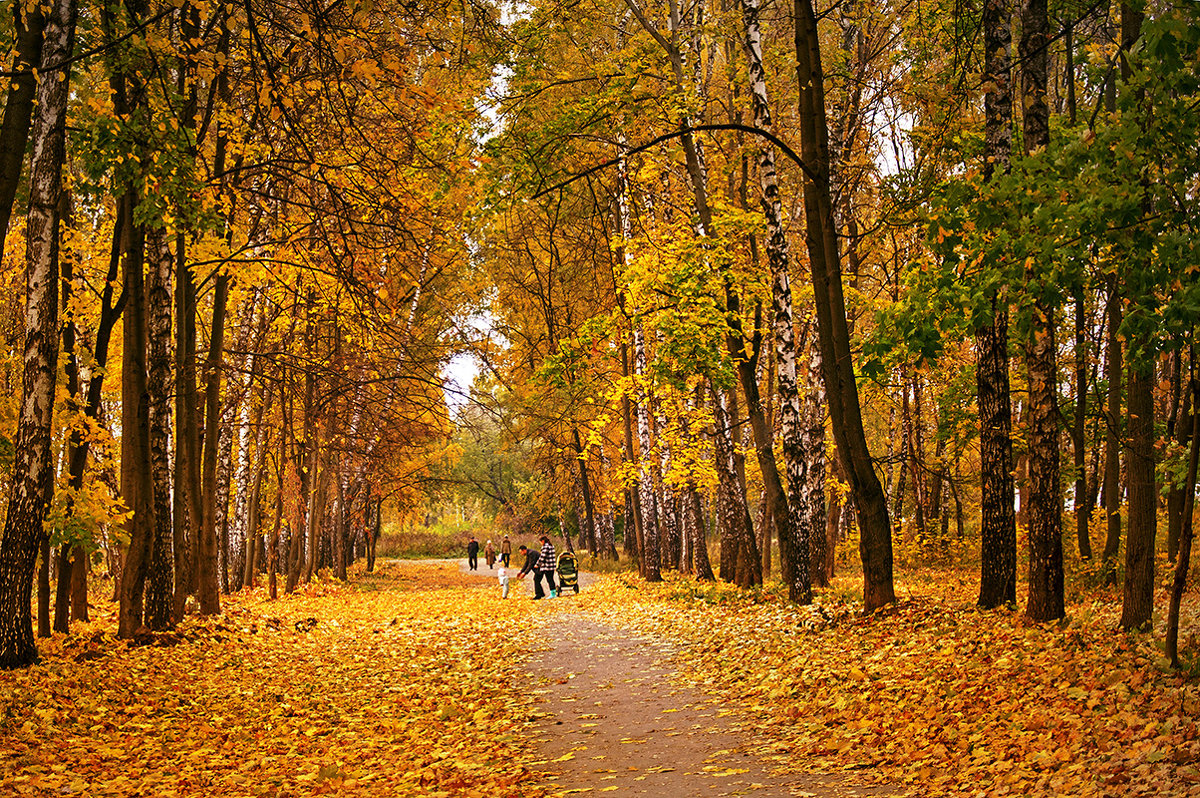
399,684
412,681
935,694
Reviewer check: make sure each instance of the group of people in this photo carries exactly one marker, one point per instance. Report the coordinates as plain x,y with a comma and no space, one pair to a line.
541,563
489,553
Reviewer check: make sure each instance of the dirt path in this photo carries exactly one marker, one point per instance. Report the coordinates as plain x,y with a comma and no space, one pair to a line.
615,721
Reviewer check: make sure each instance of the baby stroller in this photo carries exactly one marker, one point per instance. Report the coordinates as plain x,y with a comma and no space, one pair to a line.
568,572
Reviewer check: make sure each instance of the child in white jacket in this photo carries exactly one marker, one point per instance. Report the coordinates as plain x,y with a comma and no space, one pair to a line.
502,574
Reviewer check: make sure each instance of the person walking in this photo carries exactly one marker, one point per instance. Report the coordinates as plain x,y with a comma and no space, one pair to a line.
489,554
505,550
544,568
473,554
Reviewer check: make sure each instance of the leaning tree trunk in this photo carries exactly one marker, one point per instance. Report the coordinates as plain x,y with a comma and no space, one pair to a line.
782,323
760,424
32,476
845,411
1185,537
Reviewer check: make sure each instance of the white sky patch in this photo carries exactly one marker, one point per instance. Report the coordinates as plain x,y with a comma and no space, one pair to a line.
458,375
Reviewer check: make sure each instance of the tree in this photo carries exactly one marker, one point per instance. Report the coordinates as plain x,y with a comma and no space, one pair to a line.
798,525
998,532
33,470
841,386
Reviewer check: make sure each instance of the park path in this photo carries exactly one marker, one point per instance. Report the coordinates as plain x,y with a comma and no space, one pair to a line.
612,718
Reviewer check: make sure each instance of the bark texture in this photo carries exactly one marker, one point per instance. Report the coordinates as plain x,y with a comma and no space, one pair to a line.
1046,601
998,523
782,323
160,586
33,469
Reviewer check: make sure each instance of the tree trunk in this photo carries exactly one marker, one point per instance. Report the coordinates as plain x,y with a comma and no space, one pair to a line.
249,528
701,566
1177,494
1185,538
186,497
137,486
837,362
160,590
585,486
1112,437
740,563
998,525
649,541
1083,510
1138,596
998,559
207,588
900,488
813,494
782,324
668,533
32,476
1046,601
43,592
73,577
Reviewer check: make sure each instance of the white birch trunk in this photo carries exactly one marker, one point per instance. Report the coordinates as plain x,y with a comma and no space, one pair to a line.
33,468
650,558
239,388
782,324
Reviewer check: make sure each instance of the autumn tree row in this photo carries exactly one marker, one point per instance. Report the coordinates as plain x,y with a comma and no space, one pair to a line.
243,249
721,232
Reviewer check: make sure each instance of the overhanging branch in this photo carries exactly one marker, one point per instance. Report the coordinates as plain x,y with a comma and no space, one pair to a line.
754,131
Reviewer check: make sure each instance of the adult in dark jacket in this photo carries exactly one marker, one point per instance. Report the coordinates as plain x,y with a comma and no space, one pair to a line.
533,564
531,559
473,554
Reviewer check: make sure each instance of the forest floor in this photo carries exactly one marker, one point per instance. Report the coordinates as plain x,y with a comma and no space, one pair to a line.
420,680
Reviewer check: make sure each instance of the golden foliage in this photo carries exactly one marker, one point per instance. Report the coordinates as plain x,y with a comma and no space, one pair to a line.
934,695
394,685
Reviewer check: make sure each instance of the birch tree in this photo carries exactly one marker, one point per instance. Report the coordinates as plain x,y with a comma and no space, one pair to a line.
33,467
